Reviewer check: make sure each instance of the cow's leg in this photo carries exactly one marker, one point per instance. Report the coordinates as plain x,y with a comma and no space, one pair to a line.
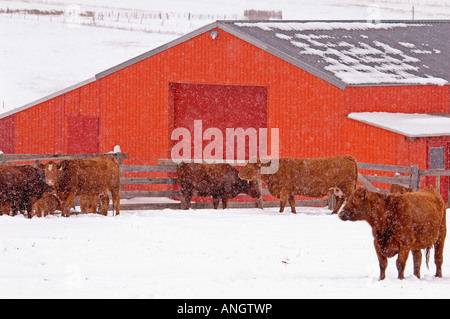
116,200
104,203
292,203
417,258
401,262
215,202
224,202
383,261
84,204
67,205
283,201
439,252
29,211
185,199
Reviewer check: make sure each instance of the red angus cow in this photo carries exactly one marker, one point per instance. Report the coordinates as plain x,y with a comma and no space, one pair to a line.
89,204
307,177
216,180
401,223
47,204
21,186
5,208
94,177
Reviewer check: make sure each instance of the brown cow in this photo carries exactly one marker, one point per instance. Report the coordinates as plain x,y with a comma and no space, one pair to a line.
216,180
399,189
89,204
85,177
46,205
21,186
5,208
401,223
307,177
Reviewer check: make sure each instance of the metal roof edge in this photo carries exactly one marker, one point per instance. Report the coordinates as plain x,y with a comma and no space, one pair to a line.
48,97
397,131
157,50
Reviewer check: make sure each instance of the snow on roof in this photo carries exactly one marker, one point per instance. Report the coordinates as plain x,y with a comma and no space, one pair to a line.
412,125
361,53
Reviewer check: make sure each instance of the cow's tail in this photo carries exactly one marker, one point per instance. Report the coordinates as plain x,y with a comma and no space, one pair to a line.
427,256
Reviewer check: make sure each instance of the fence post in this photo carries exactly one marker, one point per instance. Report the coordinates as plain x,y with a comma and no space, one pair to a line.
2,158
120,162
414,182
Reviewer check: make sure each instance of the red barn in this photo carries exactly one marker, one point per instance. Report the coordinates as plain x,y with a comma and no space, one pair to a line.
302,77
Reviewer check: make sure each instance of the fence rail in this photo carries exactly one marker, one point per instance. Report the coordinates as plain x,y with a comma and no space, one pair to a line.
372,176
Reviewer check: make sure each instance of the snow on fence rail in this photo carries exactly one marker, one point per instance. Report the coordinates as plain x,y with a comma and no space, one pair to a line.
161,191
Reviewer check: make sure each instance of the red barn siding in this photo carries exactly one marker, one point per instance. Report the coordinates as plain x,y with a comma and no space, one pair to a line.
7,128
375,145
139,94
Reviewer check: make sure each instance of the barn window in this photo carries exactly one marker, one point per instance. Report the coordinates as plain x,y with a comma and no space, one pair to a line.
437,158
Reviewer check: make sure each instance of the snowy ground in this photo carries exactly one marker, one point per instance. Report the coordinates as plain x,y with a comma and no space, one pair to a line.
245,253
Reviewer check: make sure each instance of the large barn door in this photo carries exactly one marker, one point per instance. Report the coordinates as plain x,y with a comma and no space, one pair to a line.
83,134
219,106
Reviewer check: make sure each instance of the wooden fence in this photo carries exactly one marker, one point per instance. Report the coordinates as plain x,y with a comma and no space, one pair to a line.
166,166
408,176
158,182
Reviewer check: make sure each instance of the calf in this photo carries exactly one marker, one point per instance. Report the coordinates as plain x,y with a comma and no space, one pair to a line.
92,177
216,180
401,223
89,204
47,204
307,177
5,208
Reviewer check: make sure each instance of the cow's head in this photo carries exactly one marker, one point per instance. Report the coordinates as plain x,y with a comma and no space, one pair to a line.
251,171
257,167
356,206
53,171
252,188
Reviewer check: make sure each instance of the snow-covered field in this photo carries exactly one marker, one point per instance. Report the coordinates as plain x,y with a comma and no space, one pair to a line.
234,253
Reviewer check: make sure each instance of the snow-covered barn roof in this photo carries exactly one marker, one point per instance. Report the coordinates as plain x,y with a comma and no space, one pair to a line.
411,125
359,53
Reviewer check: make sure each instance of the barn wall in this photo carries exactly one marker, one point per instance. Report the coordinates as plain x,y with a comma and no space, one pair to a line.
375,145
402,99
136,98
44,128
7,129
